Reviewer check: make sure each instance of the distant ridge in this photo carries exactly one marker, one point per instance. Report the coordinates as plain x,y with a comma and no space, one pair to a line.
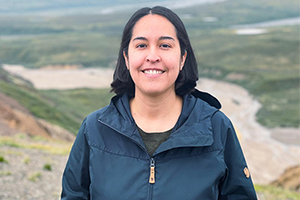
64,7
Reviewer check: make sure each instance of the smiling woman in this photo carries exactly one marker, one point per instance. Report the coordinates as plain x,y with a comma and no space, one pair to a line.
159,138
154,62
186,80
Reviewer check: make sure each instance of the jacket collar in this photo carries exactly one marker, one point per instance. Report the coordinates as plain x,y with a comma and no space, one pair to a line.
193,127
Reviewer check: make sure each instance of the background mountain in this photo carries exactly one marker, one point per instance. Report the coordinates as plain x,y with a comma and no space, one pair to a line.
40,33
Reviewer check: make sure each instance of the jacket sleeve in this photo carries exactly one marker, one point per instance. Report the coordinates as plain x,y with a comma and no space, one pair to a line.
76,180
237,183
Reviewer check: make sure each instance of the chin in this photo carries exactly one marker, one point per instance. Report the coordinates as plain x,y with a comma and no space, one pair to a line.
155,93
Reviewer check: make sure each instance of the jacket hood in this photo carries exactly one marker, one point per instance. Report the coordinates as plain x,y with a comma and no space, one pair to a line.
208,98
193,127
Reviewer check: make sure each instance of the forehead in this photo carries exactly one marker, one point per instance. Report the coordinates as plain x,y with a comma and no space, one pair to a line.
153,24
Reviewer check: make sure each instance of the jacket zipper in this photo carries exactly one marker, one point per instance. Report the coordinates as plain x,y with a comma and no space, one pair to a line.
151,177
152,171
152,161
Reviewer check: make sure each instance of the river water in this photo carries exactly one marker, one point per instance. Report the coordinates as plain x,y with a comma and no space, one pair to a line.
266,153
272,23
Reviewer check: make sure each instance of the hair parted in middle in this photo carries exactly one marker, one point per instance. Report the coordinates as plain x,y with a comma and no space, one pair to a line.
188,76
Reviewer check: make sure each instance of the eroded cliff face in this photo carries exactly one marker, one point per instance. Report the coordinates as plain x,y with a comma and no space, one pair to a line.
290,179
16,119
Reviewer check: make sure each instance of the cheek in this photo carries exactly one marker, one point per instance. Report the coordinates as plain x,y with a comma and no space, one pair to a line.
175,65
174,68
135,61
175,60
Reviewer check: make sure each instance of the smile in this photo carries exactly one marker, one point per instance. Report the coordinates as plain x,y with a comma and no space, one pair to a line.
153,71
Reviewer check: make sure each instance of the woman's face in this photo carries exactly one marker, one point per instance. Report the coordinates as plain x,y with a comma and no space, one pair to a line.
154,59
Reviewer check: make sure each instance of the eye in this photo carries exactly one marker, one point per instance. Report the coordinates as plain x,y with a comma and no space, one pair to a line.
165,46
139,46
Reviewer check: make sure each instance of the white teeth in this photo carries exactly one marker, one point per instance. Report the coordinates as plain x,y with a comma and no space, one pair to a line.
153,72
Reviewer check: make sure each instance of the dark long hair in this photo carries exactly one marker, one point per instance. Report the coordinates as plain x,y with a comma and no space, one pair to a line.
186,80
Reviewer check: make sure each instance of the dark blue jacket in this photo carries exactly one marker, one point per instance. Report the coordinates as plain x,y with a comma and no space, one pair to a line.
201,160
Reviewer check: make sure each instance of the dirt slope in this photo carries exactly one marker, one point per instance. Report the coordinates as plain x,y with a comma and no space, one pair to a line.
14,118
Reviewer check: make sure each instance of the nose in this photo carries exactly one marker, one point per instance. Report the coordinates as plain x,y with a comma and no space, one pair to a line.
153,56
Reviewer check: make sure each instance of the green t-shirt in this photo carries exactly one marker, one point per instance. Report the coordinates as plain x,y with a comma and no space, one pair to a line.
154,140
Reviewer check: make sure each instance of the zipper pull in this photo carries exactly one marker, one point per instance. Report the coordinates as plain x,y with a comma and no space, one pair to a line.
152,171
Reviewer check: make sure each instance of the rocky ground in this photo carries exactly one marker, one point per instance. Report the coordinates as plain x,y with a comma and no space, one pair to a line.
26,174
33,154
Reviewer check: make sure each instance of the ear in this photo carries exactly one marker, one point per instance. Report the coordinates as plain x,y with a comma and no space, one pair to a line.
183,60
126,60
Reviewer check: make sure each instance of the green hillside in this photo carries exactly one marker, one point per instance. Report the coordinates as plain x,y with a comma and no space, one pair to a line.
267,64
64,108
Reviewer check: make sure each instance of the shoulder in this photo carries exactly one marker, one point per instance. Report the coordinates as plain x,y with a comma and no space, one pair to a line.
223,130
219,118
205,103
209,107
202,108
220,124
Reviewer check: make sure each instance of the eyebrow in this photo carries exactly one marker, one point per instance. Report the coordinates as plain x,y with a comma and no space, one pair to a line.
160,38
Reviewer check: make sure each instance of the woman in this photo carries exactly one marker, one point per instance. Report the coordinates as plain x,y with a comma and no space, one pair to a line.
159,138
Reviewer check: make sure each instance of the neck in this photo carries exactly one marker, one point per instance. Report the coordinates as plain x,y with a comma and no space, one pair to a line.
156,114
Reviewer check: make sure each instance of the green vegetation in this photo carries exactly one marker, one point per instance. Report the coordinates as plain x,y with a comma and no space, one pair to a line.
268,192
26,160
80,48
53,147
35,177
77,104
47,167
236,12
267,65
3,160
5,173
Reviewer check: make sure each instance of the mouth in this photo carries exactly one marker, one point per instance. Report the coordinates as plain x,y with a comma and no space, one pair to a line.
152,71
